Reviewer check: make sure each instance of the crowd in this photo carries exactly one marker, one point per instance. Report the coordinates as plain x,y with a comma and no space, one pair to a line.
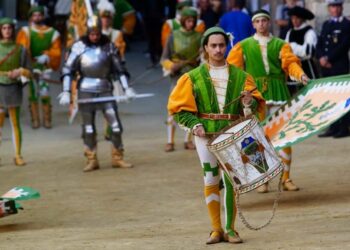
212,51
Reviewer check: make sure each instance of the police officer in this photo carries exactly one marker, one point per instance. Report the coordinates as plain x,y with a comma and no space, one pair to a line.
332,53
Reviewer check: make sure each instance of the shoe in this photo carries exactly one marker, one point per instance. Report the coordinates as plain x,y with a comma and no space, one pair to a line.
327,133
19,161
288,185
92,162
341,134
263,188
215,237
118,159
189,145
233,237
169,147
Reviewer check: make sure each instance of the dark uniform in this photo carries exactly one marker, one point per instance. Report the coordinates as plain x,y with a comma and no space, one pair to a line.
334,42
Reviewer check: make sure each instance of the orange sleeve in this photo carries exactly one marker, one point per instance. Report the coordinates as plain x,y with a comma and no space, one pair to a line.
129,22
200,27
54,53
182,98
166,30
249,85
23,39
120,44
291,64
236,57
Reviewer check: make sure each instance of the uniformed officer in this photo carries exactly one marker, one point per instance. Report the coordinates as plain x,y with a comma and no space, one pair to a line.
332,53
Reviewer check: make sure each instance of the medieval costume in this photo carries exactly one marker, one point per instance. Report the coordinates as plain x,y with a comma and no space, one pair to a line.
96,61
180,55
269,60
44,46
14,71
199,99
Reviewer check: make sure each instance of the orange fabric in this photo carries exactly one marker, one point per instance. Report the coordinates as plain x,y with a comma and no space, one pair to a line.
166,31
249,85
290,62
236,57
54,53
167,64
23,39
200,27
182,98
129,22
120,44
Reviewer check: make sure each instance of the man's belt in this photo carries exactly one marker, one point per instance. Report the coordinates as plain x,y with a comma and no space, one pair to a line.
212,116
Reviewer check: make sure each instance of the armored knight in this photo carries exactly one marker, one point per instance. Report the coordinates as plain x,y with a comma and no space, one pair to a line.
95,60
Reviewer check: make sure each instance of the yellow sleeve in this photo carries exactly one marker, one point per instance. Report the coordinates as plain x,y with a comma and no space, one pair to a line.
166,30
129,22
235,56
23,39
54,53
200,27
291,64
120,44
249,85
167,64
182,98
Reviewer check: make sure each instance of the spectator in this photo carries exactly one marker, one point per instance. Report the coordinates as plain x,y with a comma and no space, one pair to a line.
282,17
210,12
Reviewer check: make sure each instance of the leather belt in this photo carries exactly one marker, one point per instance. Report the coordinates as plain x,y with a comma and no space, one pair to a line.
212,116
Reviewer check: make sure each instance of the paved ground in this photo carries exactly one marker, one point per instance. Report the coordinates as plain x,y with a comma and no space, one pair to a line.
159,204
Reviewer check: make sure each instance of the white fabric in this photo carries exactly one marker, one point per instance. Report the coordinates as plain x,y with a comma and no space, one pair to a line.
263,41
42,59
205,156
130,93
64,98
310,38
219,76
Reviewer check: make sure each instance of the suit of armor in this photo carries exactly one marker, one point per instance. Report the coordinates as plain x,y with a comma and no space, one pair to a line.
96,65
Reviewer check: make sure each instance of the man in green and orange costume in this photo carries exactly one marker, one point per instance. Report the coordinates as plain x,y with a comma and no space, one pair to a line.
199,102
269,60
14,70
44,45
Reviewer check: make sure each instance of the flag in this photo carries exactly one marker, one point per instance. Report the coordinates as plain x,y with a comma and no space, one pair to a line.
21,193
320,103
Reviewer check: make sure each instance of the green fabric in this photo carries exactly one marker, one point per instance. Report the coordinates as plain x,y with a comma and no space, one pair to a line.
40,42
210,31
176,25
229,205
182,4
208,169
189,12
21,193
121,7
272,85
36,9
33,92
11,63
7,20
206,99
186,47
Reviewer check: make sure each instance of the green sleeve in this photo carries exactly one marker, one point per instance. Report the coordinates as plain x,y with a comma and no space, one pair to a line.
186,119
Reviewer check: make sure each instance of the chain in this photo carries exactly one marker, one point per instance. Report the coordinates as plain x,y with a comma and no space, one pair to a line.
275,204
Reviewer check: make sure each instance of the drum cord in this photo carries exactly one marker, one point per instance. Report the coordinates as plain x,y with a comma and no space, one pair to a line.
275,205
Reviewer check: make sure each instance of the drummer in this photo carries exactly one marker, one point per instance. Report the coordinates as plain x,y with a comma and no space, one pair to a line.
198,104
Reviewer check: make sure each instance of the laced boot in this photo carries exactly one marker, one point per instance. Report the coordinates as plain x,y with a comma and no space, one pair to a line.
169,147
117,159
92,162
232,237
34,113
189,145
215,237
288,185
19,161
47,115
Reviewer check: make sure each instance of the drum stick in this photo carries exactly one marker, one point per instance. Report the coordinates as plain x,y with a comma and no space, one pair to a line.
239,97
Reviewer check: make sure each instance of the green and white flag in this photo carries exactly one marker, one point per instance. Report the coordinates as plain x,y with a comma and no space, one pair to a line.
21,193
319,104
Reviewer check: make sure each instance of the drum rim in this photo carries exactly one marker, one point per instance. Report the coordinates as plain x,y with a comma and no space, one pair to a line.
234,123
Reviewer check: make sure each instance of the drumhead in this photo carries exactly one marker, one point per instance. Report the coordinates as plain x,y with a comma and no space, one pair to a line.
234,129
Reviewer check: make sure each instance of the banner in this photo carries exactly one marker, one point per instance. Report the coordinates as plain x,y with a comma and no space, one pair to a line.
317,105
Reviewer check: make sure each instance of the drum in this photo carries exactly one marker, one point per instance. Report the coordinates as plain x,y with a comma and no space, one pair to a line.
246,155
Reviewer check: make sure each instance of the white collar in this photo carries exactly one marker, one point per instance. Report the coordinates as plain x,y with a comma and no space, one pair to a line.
302,26
263,40
217,67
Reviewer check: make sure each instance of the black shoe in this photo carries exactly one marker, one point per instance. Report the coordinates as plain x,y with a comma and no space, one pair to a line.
327,133
341,134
